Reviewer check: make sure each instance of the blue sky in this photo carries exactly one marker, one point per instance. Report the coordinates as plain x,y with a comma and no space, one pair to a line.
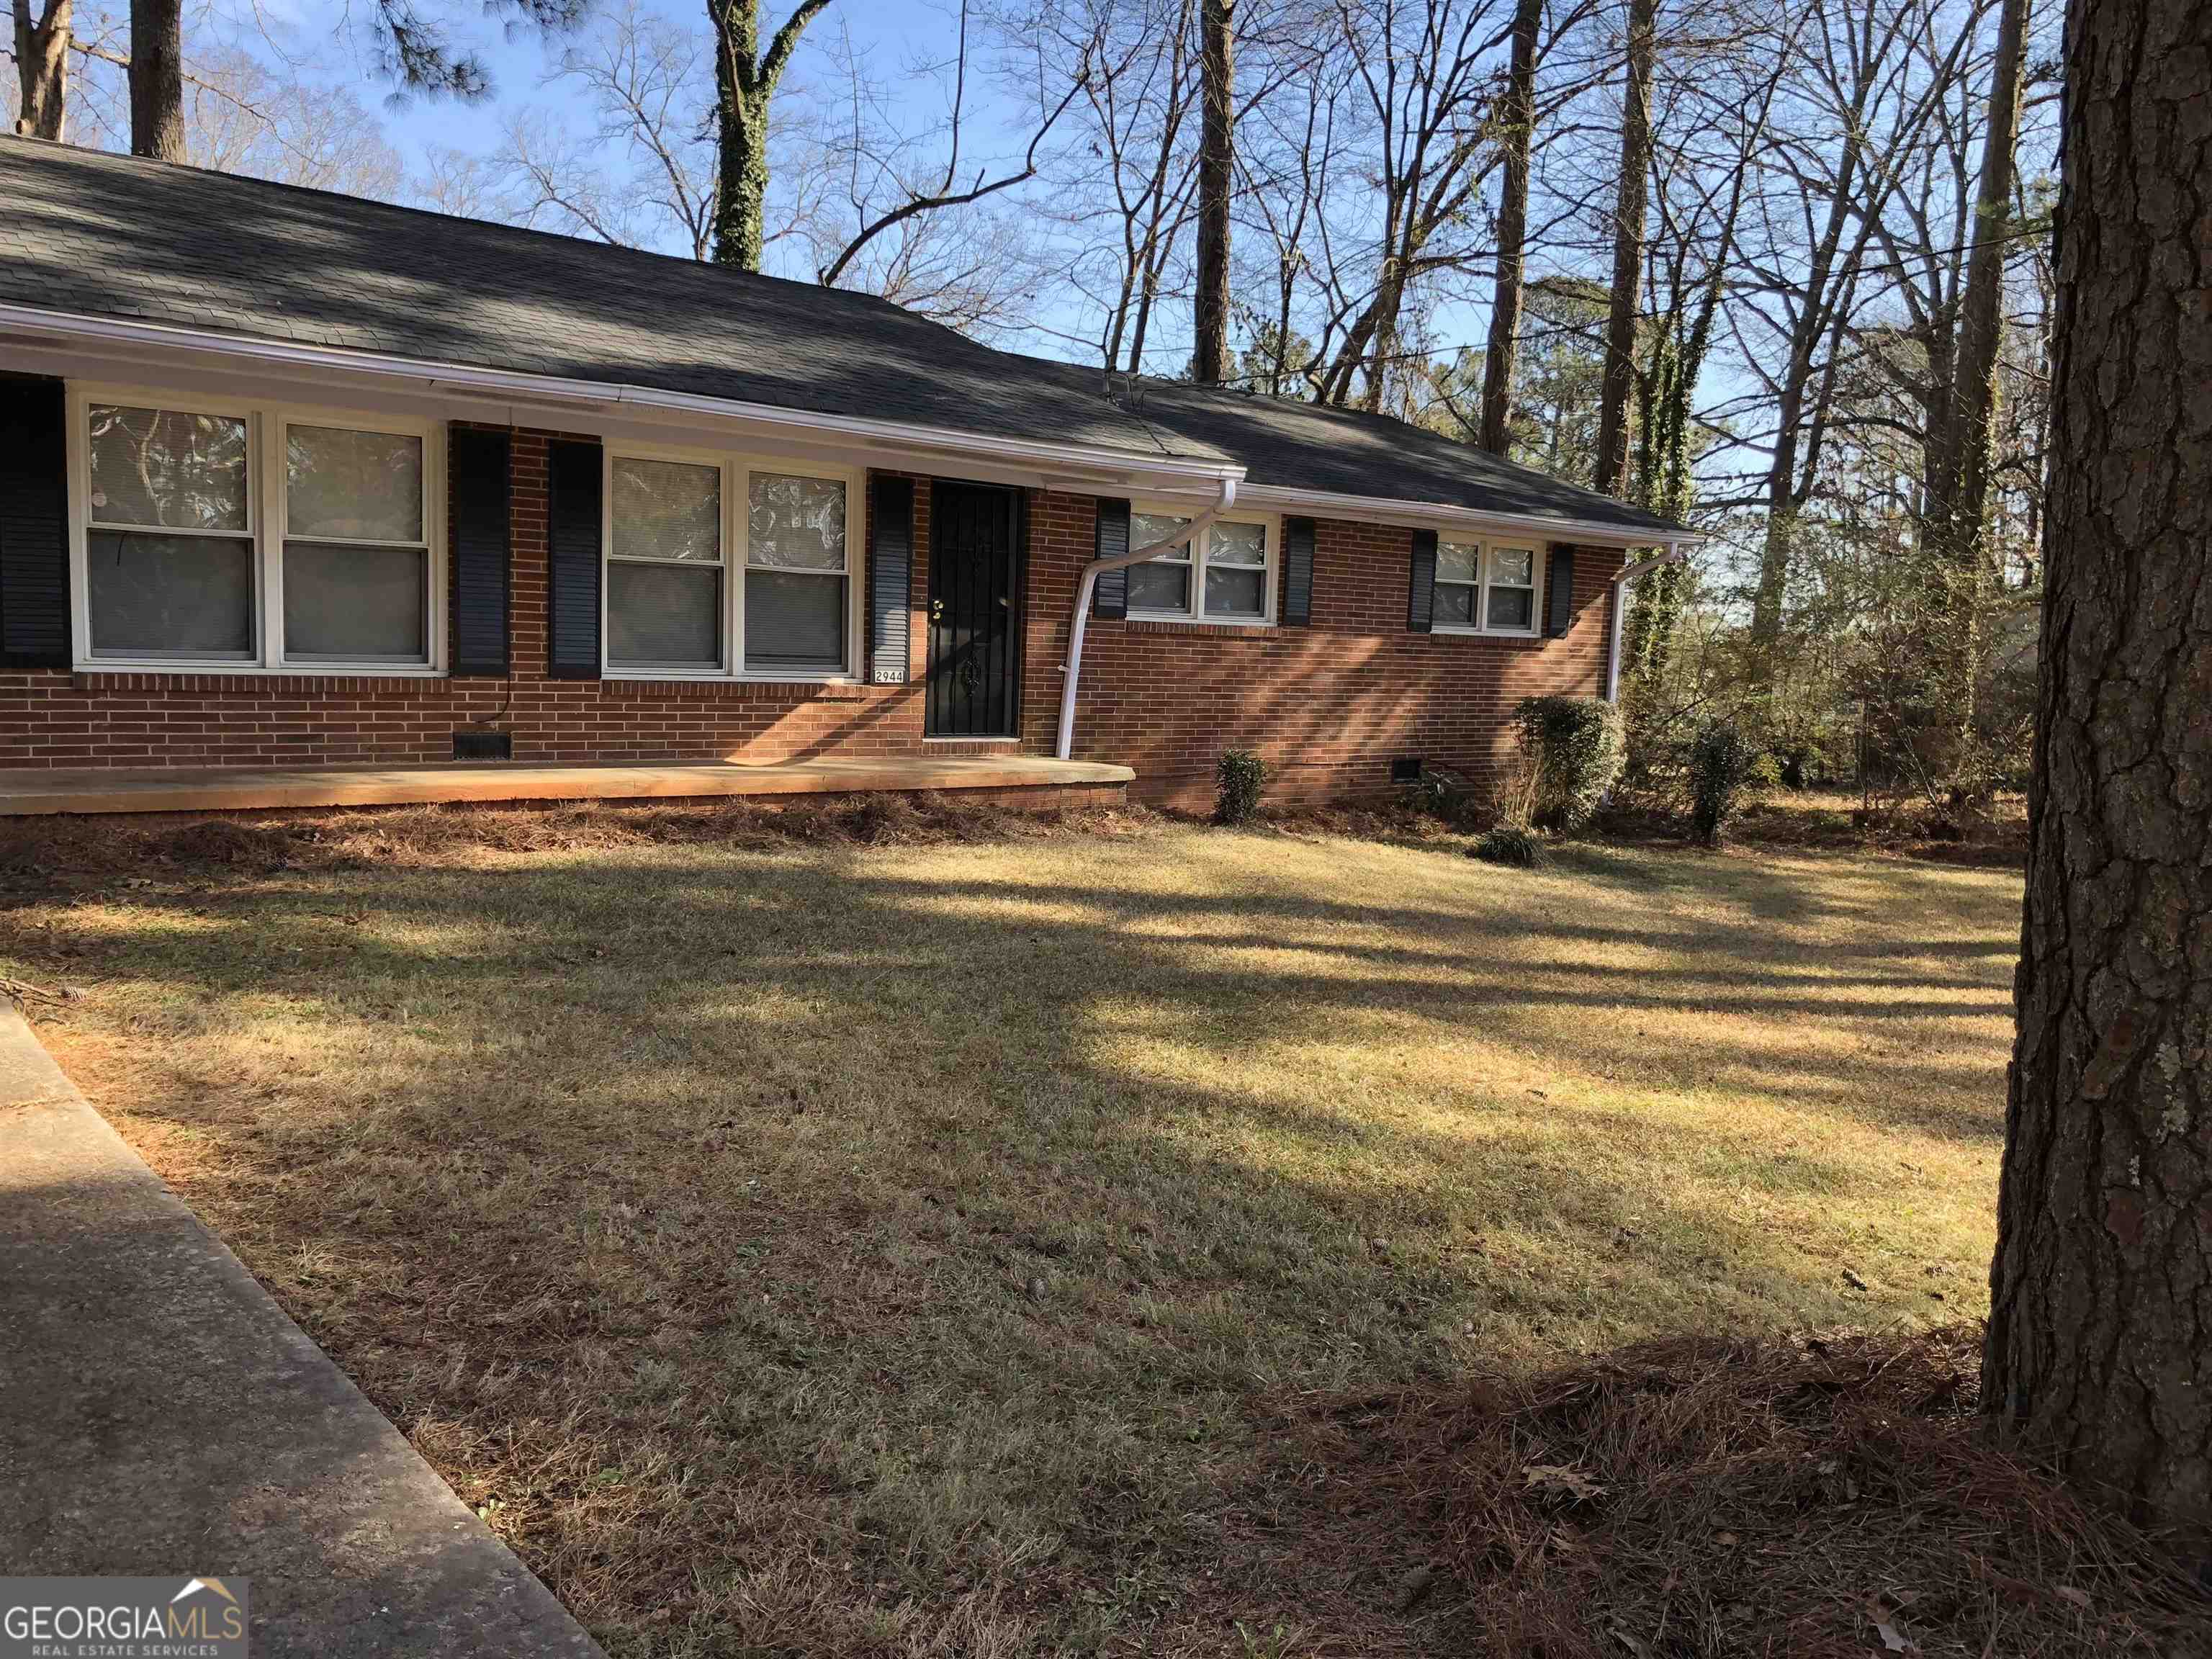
898,43
892,31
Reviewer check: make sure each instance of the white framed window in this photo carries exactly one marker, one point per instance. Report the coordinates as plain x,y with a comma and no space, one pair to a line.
664,566
1161,586
799,584
1485,587
722,566
1224,574
356,564
169,564
253,537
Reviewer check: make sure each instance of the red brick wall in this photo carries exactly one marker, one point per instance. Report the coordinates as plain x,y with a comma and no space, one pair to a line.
1327,705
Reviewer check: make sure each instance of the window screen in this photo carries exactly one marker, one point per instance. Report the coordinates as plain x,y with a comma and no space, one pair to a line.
353,486
667,616
794,621
352,603
165,468
667,510
170,596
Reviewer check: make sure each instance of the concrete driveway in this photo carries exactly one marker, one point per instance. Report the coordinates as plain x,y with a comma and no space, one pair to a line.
161,1415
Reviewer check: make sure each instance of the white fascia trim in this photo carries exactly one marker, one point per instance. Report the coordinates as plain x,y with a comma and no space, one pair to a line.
1187,471
1372,509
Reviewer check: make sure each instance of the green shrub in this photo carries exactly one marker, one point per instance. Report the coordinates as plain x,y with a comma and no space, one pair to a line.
1507,844
1724,763
1442,793
1571,750
1237,782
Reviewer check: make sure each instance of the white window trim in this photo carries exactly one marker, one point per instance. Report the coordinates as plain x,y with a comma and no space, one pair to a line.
266,480
735,470
1539,572
1270,526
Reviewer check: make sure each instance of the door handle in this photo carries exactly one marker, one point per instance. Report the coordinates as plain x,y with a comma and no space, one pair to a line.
937,610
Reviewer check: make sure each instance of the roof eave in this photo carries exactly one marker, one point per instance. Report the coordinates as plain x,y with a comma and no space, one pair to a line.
1173,472
1423,515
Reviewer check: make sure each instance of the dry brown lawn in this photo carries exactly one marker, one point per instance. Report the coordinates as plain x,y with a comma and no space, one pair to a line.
834,1248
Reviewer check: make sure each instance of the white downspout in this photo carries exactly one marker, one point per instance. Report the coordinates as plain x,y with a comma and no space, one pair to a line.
1072,670
1620,584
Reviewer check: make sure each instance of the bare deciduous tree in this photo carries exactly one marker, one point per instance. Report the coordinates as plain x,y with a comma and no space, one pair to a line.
42,44
896,193
1425,68
1862,97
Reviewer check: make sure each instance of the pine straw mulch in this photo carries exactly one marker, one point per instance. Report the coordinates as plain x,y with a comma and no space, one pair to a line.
72,852
1992,837
1698,1497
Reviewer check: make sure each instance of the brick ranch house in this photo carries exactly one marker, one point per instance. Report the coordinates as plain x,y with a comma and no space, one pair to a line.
290,479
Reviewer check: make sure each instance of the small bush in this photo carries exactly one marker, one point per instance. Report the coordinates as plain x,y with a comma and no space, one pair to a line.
1507,844
1724,764
1442,793
1238,780
1571,750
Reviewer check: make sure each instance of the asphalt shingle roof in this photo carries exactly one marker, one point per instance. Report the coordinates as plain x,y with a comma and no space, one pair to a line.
94,234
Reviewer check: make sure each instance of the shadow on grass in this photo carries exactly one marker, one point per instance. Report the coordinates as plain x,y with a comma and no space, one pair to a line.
858,1251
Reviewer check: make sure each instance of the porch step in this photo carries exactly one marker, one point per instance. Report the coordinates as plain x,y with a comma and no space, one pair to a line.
26,793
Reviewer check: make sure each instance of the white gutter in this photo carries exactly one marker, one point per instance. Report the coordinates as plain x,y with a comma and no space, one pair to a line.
1620,583
494,383
1072,671
1367,509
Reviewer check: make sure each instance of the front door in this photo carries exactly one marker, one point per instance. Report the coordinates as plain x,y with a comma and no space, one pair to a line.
975,609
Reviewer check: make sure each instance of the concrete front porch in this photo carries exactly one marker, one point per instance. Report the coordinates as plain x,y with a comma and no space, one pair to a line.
1019,780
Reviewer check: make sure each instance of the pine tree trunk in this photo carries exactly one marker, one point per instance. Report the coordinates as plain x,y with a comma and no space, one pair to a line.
1216,160
42,69
2100,1345
1620,376
157,79
1516,120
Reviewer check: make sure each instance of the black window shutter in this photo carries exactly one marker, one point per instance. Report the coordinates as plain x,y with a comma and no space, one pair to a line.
575,479
35,617
1560,594
1421,598
891,566
476,461
1110,596
1297,572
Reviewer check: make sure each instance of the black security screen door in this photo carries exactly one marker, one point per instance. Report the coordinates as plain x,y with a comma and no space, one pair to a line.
975,609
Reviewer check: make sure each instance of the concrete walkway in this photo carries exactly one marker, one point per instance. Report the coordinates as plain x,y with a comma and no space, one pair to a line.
159,1414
